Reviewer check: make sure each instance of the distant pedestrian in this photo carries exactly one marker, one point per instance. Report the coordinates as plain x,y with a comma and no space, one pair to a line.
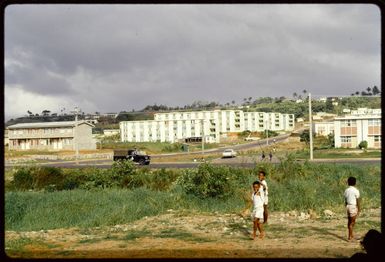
270,156
352,202
263,155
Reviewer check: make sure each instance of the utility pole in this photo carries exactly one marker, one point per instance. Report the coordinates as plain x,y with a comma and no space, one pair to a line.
310,129
267,133
76,135
203,140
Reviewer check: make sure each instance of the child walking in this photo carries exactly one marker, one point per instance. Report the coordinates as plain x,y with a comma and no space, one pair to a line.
352,203
257,214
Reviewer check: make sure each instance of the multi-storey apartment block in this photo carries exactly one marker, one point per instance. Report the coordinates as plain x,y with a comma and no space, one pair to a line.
51,136
349,131
361,125
177,126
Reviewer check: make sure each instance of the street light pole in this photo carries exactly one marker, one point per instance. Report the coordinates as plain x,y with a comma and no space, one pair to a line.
310,129
203,138
76,135
267,133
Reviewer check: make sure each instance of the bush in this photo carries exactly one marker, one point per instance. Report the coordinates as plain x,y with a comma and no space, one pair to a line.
162,180
22,179
47,178
363,145
208,181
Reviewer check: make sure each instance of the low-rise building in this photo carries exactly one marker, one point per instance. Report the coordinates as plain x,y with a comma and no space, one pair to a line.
351,130
323,128
64,135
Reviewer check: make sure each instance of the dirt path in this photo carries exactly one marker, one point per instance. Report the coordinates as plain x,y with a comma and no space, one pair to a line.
182,234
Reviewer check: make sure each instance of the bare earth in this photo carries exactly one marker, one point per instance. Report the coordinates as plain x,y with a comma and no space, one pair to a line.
182,234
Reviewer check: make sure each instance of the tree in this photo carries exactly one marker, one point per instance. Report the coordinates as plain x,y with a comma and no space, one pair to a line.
305,136
357,93
375,90
45,112
295,95
369,90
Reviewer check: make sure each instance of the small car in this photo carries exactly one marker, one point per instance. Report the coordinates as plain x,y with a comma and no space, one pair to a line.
229,153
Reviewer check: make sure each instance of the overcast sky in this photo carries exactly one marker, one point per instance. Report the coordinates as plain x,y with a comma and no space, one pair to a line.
110,58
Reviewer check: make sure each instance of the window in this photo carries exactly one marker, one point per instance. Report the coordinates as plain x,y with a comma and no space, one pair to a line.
374,122
348,123
377,138
346,139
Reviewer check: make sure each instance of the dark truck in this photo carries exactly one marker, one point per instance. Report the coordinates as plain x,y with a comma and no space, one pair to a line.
136,156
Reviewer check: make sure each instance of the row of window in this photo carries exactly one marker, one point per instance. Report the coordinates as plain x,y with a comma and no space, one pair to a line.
30,131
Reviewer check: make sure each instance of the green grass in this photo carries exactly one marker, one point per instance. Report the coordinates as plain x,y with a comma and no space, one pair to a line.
133,234
292,186
178,234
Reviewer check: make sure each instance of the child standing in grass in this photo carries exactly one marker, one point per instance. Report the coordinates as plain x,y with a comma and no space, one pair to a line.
257,214
352,202
262,180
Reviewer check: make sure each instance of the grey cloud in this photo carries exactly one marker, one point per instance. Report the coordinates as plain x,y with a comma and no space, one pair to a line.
140,54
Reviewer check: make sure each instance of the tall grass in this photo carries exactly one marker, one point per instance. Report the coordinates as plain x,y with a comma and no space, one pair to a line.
291,186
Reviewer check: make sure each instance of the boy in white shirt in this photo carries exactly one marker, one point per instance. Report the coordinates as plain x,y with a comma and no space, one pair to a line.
257,214
352,203
265,189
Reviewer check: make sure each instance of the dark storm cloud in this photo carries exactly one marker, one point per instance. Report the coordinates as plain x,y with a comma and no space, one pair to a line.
136,55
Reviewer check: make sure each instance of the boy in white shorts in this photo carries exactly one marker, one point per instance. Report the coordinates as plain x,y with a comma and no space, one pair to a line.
352,202
257,214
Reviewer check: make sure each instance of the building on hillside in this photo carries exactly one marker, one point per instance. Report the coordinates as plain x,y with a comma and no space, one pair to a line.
323,128
111,132
179,126
51,136
365,111
350,130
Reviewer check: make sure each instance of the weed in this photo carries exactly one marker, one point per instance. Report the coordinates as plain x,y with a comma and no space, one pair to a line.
133,235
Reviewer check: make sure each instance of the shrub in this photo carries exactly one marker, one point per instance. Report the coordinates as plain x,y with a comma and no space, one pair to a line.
162,180
22,179
47,178
208,181
363,145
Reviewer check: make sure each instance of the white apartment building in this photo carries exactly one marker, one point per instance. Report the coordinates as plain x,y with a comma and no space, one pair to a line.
177,126
51,136
323,128
349,131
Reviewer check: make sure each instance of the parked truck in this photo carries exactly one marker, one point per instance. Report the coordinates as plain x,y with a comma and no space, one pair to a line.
137,156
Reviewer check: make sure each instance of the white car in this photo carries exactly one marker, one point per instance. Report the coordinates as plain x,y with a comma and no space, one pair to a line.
229,153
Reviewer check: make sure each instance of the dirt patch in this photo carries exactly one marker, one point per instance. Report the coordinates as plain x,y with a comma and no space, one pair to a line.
182,234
